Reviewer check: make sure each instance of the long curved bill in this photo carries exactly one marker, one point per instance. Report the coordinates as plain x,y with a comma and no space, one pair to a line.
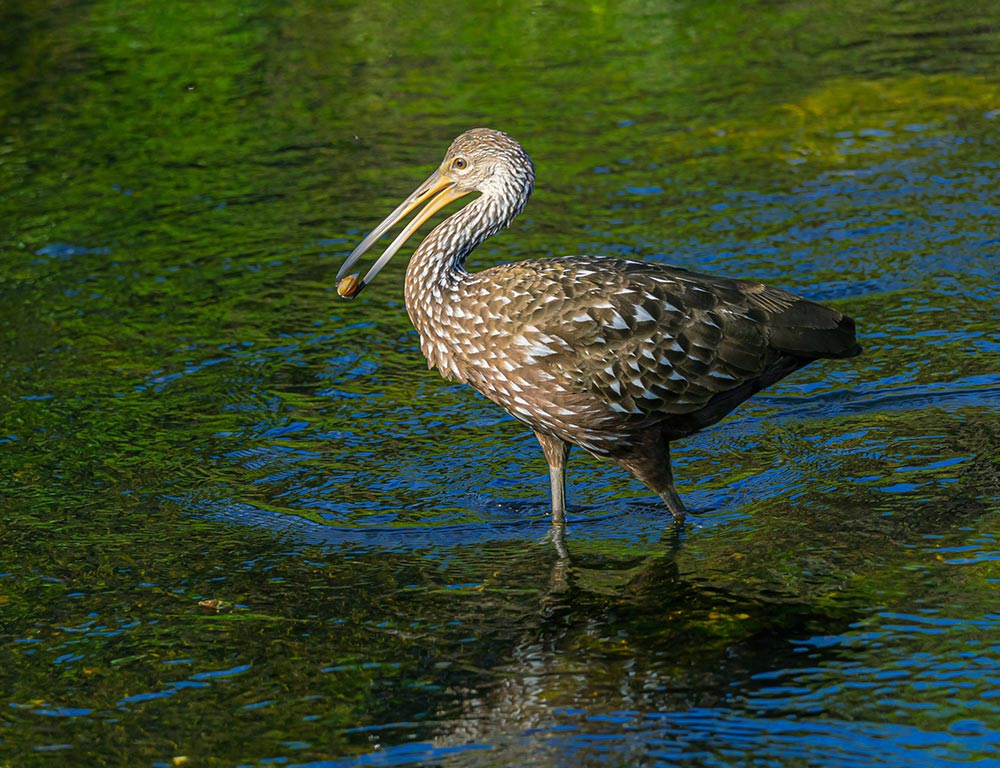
436,192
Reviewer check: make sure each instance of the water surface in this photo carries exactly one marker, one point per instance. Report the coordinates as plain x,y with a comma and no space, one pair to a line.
242,524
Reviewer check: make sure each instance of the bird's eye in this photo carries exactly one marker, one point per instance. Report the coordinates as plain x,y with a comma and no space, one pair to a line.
459,163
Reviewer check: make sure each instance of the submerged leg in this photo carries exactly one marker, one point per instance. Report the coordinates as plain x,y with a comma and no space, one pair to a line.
556,453
650,464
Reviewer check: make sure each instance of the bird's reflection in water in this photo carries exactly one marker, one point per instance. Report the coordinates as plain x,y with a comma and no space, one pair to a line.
562,571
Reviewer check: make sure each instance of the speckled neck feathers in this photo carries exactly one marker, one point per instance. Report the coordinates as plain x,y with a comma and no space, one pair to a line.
505,177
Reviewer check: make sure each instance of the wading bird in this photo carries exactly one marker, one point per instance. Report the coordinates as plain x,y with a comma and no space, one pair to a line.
616,356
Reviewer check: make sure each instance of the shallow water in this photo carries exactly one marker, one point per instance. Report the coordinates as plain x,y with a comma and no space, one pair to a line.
242,524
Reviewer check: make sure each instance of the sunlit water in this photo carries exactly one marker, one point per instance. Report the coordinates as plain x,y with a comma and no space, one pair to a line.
242,522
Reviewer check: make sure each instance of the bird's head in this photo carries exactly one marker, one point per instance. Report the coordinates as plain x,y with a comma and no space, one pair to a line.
480,160
491,162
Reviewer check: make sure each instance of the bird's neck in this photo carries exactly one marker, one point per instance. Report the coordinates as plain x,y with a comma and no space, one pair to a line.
436,274
438,265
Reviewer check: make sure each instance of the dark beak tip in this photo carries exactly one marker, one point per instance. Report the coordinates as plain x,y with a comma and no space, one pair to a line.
349,287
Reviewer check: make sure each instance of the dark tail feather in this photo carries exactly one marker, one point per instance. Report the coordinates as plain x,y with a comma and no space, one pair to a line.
811,330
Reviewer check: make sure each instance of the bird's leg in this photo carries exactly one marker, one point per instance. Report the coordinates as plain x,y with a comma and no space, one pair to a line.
650,464
671,499
556,453
666,489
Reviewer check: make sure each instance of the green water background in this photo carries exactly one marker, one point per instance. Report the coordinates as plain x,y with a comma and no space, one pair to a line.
242,524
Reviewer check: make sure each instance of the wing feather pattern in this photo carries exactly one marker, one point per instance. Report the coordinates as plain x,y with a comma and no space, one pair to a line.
654,340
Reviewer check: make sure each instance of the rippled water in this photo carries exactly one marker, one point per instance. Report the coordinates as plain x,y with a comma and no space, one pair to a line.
242,524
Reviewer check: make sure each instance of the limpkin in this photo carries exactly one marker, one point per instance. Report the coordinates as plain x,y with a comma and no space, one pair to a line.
616,356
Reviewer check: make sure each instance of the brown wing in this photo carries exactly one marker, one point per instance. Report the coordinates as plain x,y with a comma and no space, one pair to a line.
650,339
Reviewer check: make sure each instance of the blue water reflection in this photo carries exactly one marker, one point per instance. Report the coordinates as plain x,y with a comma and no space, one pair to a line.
710,737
